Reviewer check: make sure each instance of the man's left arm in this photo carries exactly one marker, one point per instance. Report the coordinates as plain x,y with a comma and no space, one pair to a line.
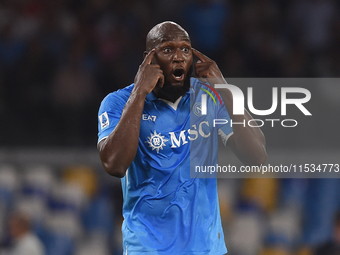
248,143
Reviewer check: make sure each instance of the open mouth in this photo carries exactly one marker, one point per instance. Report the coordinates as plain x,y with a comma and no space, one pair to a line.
178,74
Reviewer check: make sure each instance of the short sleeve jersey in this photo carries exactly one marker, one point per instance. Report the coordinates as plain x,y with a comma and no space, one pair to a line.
165,210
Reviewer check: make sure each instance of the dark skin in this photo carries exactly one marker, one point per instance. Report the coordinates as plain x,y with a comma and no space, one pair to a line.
168,60
173,53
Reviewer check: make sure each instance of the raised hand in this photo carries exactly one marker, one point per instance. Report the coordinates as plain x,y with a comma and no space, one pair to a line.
148,74
207,68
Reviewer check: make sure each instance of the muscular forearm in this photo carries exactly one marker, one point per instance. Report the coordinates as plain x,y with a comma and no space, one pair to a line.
248,142
119,149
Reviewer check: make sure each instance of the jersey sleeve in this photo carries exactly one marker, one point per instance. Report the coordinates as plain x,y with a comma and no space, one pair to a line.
226,130
109,114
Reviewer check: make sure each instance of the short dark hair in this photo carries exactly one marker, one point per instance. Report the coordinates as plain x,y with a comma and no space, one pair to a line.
156,32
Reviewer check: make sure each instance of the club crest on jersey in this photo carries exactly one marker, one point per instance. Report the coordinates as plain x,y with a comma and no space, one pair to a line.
197,109
104,120
156,141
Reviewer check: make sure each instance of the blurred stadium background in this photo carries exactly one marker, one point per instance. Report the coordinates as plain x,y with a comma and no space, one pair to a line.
59,59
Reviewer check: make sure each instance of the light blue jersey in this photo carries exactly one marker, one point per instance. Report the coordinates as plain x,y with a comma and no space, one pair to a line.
165,211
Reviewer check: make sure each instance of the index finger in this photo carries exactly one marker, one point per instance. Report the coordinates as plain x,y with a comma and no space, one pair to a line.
148,58
200,55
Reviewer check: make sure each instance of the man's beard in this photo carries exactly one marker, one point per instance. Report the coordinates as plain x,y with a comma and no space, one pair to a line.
168,91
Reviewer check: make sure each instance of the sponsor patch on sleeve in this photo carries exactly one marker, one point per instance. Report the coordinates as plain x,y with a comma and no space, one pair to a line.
104,120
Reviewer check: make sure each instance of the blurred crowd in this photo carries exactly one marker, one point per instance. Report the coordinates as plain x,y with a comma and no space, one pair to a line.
75,209
59,58
72,211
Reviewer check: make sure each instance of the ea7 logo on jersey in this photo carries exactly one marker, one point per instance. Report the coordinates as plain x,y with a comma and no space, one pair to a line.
149,117
104,120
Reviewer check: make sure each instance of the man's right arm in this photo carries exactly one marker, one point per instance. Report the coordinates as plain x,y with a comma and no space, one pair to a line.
119,149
